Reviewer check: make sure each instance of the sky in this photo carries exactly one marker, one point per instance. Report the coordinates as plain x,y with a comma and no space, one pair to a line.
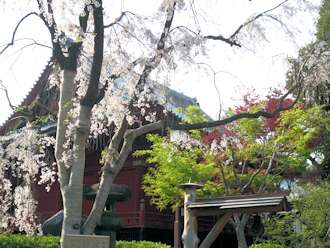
258,65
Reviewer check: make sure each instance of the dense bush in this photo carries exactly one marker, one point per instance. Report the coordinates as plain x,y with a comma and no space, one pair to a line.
266,245
140,244
23,241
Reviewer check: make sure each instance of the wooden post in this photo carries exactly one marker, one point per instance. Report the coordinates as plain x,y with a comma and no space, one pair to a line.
189,236
215,231
177,241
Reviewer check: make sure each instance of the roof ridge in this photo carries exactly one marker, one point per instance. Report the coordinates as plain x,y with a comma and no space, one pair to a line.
31,94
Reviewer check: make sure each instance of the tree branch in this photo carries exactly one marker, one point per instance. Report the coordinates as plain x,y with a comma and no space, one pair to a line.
252,178
11,43
231,40
52,28
154,62
131,134
93,87
4,88
118,19
261,113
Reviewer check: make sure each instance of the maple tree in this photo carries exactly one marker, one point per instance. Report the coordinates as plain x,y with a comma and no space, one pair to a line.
248,156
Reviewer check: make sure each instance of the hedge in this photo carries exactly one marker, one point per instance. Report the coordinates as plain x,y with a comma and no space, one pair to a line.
140,244
24,241
266,245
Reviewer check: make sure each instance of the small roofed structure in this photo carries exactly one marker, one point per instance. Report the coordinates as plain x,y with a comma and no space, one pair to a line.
252,204
225,208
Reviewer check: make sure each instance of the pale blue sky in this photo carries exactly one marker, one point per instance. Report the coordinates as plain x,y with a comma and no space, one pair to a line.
261,66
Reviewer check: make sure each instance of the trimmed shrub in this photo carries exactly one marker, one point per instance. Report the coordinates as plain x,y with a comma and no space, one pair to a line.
24,241
140,244
266,245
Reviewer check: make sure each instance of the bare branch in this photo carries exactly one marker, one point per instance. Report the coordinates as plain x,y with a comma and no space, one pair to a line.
270,165
261,113
255,18
5,90
118,19
11,43
215,86
231,40
252,177
35,43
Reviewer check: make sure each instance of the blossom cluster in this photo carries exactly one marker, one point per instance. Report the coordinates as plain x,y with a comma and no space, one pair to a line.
24,162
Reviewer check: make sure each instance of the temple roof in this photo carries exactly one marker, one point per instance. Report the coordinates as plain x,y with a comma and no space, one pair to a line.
174,100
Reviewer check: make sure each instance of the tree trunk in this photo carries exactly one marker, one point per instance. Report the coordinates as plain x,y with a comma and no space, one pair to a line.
72,200
240,221
99,203
241,240
64,105
111,169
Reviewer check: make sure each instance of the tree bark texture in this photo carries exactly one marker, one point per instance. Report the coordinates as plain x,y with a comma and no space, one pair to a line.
72,201
240,221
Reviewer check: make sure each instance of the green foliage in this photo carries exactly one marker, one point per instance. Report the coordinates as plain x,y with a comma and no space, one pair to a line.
249,151
314,209
192,114
323,24
174,166
309,222
21,108
41,120
266,245
23,241
281,228
302,134
140,244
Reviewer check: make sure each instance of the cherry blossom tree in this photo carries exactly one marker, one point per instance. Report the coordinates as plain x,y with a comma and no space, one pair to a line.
106,74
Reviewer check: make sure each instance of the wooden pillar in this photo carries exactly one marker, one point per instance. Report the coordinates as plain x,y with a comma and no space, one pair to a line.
177,231
215,231
189,236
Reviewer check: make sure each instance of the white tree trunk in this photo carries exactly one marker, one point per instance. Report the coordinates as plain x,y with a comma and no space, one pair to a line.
65,104
73,198
99,203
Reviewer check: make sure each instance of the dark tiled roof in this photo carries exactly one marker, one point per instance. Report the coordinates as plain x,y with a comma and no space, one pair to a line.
174,100
29,98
